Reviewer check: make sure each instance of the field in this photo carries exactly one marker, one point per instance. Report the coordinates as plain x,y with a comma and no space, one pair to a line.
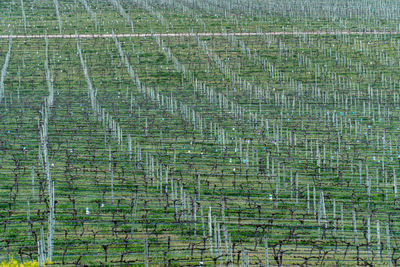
276,148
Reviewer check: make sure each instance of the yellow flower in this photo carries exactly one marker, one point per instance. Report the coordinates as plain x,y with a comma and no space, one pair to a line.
14,263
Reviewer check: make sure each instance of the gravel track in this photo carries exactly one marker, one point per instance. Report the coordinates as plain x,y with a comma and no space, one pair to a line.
120,35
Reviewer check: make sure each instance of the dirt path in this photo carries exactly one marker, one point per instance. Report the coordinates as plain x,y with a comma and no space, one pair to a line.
108,35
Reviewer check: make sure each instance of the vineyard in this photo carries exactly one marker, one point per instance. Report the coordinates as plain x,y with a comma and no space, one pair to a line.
200,133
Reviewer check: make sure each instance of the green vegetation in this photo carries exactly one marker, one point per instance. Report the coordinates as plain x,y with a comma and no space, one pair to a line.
178,150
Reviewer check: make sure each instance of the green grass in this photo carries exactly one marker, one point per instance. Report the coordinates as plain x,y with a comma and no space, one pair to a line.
259,200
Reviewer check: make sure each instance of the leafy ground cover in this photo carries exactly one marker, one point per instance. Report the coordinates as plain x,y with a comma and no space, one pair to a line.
226,150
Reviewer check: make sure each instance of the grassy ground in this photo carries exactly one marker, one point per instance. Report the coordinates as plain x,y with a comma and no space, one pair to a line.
292,139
